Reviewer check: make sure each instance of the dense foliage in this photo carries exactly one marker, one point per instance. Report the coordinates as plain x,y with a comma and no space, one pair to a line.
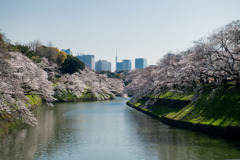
28,52
51,53
72,65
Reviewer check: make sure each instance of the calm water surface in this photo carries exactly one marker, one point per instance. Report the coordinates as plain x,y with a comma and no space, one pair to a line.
110,130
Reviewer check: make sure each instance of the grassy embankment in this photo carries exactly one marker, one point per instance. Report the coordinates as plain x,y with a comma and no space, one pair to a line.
15,124
217,106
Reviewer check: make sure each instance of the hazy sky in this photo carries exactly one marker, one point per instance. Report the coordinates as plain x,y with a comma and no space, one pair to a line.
137,28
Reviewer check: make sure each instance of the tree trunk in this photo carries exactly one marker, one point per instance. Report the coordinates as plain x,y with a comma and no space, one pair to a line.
237,84
202,82
225,83
207,80
215,80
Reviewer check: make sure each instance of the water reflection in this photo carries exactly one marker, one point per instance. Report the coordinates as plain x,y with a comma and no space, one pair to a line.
110,130
25,143
169,143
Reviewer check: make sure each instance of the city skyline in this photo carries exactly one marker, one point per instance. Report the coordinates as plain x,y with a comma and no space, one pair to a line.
84,58
136,28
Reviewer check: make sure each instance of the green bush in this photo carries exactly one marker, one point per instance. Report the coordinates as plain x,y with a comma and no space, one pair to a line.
72,65
34,100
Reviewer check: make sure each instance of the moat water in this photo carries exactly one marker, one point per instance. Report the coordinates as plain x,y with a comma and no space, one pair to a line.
110,130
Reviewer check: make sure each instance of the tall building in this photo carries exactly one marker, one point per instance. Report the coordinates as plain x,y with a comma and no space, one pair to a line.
68,51
125,65
119,66
88,60
102,65
140,63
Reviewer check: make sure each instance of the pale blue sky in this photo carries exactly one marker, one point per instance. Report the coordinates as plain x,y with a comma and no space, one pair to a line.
137,28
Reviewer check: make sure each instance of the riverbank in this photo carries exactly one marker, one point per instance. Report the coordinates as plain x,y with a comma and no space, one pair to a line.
11,124
212,110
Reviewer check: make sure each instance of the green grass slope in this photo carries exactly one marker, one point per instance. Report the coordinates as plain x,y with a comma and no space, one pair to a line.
217,106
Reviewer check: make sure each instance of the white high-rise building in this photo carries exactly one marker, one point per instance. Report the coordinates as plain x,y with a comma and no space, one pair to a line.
102,65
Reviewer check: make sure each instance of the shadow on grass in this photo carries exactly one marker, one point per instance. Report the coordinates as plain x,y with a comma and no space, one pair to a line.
217,106
163,110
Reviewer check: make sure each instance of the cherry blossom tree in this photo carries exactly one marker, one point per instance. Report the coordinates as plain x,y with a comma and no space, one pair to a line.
19,77
87,80
215,59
